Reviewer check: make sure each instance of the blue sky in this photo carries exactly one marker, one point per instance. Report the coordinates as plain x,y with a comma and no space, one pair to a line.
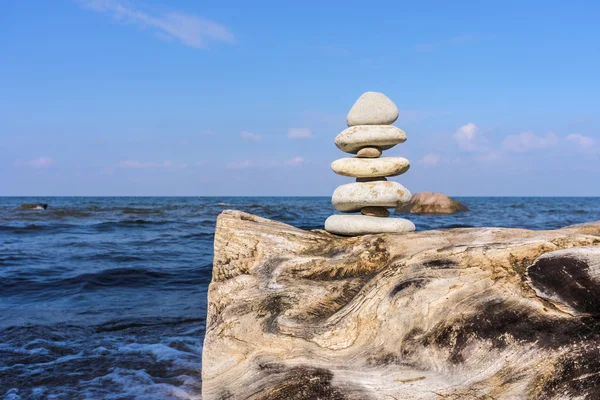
245,97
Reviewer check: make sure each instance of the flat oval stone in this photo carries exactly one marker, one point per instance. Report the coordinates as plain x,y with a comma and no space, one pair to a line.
372,108
384,137
375,211
353,225
370,167
369,152
354,196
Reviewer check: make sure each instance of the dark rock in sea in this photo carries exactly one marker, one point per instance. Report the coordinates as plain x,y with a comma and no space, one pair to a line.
479,313
34,206
432,203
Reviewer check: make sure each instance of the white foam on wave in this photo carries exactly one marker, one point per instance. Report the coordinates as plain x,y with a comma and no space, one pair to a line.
189,360
135,384
161,351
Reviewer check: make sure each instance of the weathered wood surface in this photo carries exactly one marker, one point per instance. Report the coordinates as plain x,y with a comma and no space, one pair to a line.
481,313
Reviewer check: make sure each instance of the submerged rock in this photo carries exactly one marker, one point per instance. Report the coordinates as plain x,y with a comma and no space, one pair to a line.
476,313
34,206
432,203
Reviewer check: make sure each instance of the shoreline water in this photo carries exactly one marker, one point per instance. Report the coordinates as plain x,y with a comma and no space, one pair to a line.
108,295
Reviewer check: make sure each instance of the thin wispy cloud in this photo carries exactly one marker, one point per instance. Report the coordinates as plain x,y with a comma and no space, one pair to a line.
191,30
240,164
245,164
469,139
294,161
430,159
136,164
41,162
250,136
299,133
527,141
585,144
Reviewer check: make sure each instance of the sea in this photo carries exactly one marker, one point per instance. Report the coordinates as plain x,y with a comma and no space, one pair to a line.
105,297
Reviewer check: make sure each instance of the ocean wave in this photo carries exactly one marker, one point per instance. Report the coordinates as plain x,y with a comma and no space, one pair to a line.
122,325
114,277
33,228
199,235
68,213
135,210
141,362
111,257
129,223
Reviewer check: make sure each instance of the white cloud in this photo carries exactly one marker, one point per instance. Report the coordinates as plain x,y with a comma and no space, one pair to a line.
292,162
249,136
527,141
240,164
191,30
430,159
136,164
295,161
466,136
585,143
41,162
299,133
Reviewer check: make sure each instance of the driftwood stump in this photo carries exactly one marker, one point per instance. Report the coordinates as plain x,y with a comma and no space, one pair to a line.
480,313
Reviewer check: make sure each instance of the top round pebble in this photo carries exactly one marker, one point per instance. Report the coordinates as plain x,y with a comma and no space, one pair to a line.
372,108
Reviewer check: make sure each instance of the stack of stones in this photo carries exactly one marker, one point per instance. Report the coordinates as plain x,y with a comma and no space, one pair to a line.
369,132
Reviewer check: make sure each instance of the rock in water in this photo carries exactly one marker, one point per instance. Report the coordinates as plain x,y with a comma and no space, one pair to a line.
354,196
369,167
352,140
34,206
369,152
372,108
432,203
481,313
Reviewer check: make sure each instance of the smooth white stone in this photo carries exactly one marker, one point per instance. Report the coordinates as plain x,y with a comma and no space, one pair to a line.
370,167
354,196
369,152
372,108
352,225
384,137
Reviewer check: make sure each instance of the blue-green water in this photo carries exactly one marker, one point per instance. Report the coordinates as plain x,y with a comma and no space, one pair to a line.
106,297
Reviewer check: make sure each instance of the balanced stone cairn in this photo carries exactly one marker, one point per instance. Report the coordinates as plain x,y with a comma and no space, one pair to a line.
369,132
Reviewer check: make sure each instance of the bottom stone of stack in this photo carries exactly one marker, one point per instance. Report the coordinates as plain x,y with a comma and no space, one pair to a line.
353,225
